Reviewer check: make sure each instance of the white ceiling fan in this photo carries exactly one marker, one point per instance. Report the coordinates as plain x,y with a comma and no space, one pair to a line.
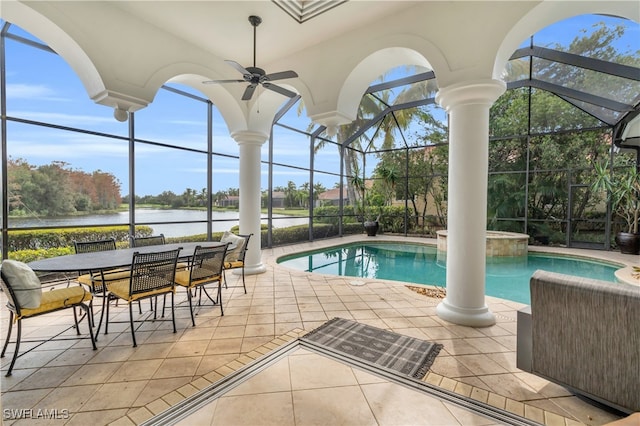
254,75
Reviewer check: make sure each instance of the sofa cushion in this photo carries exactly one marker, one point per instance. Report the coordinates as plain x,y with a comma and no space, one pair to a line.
24,283
238,242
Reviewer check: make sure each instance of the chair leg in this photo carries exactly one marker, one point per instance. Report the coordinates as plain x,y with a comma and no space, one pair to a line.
15,353
133,331
173,312
75,320
219,298
93,340
6,342
92,321
193,320
106,322
202,288
105,306
243,283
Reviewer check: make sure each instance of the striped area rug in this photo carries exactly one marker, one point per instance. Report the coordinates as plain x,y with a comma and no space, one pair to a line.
403,354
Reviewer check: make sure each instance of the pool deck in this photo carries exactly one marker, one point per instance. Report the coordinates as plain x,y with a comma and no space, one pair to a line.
122,385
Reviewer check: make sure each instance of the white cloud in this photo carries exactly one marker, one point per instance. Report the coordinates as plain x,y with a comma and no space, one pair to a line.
63,146
33,91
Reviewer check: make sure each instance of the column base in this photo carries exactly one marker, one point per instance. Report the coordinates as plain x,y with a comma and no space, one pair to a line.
251,270
472,317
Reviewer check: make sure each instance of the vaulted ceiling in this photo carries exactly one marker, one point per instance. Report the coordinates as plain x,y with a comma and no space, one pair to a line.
125,51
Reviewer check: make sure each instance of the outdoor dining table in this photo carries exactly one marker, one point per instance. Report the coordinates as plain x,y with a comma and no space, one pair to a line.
111,259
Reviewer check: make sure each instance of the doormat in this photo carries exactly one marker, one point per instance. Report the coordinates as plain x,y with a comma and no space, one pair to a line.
383,348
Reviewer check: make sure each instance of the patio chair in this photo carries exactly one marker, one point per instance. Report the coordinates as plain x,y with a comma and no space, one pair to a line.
151,275
205,267
95,279
154,240
25,299
235,258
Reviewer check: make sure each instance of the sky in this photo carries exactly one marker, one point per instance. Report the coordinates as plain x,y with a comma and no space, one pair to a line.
57,96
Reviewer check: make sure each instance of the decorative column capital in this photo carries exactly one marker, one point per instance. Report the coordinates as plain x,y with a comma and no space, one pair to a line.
249,137
479,92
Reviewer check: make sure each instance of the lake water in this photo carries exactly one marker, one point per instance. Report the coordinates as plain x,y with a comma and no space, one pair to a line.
222,221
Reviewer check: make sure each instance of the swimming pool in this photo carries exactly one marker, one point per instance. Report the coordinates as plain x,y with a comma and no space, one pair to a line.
506,277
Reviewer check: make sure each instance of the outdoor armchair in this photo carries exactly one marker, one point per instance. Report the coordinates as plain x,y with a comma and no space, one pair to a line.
154,240
95,279
25,299
151,275
235,258
205,267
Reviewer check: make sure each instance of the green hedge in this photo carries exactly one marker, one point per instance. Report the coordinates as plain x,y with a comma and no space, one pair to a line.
29,255
55,238
27,246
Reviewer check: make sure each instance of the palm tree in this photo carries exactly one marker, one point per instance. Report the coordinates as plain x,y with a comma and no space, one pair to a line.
372,105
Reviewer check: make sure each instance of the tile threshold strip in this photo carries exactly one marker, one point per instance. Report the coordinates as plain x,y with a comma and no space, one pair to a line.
191,404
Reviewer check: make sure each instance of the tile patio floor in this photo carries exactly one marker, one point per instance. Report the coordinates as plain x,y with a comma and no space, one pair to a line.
122,385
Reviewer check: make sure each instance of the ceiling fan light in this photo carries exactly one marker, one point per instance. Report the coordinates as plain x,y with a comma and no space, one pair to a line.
121,115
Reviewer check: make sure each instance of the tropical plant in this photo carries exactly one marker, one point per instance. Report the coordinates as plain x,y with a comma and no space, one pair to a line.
623,189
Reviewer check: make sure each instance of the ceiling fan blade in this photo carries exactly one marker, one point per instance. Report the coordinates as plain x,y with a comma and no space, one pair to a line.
239,67
222,81
281,75
279,89
248,93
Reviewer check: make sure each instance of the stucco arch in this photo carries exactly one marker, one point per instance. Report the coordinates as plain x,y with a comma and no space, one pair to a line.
381,56
56,38
547,13
370,68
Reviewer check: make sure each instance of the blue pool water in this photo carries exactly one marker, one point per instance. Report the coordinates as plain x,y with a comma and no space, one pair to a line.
507,278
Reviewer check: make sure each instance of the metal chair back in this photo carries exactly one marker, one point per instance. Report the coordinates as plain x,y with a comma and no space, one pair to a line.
243,252
207,262
154,240
153,271
94,246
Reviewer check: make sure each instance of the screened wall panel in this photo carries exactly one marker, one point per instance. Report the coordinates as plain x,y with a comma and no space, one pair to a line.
78,174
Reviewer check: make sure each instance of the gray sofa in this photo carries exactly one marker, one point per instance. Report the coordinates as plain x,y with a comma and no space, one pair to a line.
583,334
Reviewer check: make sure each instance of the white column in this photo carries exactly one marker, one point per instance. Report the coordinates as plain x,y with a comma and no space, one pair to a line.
468,107
250,144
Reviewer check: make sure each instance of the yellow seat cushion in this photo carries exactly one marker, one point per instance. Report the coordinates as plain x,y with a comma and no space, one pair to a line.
58,299
182,279
96,278
233,265
121,289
